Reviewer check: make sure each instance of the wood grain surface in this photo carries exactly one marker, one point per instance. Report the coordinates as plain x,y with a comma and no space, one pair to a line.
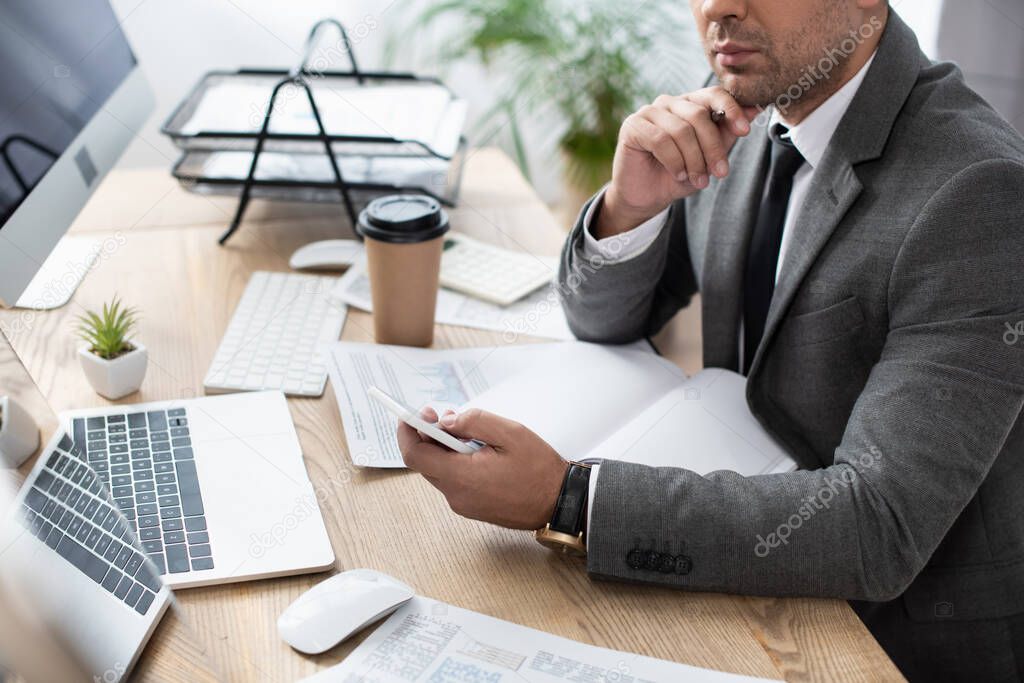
164,259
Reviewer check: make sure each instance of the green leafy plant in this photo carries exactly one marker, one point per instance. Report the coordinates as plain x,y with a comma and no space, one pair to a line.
588,63
107,332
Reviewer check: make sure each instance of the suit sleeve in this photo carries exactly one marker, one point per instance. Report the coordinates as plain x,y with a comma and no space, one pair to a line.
935,413
617,302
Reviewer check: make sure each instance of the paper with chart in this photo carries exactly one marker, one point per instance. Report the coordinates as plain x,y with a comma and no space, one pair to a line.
538,315
430,641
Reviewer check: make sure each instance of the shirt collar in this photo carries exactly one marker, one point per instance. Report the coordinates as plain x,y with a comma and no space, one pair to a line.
812,135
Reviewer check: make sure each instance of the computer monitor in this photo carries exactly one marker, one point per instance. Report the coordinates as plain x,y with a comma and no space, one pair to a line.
71,99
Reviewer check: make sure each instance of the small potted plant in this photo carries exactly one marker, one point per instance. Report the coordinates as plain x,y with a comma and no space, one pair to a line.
113,362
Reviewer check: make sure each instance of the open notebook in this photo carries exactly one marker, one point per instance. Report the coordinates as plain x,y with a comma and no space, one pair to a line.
591,401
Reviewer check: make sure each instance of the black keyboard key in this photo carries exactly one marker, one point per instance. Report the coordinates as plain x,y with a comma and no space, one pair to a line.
161,446
134,594
90,565
91,507
171,524
144,486
43,528
127,503
65,491
77,431
56,514
142,463
94,536
161,458
138,435
168,501
45,480
145,522
82,503
122,491
170,513
120,469
145,600
112,551
118,458
201,563
159,563
136,420
195,523
62,463
147,509
53,540
75,526
163,467
90,477
176,412
118,438
121,480
177,558
183,454
51,462
83,532
110,522
102,544
79,473
97,422
36,499
177,432
100,515
172,537
178,421
96,446
153,547
167,490
114,420
123,587
166,478
111,580
181,442
202,550
188,487
149,533
157,421
65,520
129,514
97,486
119,528
48,508
133,564
118,448
146,497
139,444
73,498
123,555
139,475
54,488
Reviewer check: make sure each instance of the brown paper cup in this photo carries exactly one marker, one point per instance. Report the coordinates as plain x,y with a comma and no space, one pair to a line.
404,279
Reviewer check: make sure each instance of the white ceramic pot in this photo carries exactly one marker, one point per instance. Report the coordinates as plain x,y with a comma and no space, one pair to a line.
19,435
116,378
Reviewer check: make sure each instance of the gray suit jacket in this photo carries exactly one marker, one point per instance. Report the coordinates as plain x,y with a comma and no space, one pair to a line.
888,370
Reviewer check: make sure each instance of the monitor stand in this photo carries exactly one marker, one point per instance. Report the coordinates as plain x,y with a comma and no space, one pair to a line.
61,273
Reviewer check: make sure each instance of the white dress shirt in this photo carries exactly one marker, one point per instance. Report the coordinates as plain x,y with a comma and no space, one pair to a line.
810,137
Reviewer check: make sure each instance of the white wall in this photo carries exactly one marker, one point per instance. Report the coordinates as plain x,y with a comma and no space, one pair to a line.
176,42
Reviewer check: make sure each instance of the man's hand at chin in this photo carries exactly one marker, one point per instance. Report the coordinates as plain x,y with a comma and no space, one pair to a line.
514,481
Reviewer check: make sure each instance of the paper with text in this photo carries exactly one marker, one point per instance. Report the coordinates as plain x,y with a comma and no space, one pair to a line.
430,641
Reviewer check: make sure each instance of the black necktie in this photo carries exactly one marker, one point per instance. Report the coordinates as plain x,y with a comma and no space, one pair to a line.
763,256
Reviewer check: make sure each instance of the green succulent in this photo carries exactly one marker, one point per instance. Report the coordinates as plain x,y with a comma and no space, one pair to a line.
107,332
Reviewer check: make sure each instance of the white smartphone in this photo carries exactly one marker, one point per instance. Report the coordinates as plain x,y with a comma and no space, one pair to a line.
409,417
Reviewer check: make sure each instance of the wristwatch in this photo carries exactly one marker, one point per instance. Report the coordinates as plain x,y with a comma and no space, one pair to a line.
565,531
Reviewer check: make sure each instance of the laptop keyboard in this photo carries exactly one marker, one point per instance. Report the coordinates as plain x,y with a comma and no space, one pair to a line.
70,510
146,459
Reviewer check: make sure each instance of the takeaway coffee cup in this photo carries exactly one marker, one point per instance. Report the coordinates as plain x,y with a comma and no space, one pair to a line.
404,238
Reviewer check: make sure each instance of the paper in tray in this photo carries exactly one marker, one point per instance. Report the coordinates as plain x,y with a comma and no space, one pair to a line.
421,111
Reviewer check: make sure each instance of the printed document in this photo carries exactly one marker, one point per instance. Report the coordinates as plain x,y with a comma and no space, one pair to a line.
430,641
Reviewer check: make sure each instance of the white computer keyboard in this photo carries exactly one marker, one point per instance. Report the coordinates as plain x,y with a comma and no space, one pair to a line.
276,336
491,273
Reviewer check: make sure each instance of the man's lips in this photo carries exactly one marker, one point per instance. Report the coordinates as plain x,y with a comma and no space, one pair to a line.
733,54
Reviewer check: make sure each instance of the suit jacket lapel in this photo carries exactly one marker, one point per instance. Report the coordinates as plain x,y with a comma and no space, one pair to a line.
736,204
861,136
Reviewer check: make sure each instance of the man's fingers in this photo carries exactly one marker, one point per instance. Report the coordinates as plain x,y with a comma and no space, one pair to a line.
714,141
428,457
685,137
649,137
428,414
478,424
717,99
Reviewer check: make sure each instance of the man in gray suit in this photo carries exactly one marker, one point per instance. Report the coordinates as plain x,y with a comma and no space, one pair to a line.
860,257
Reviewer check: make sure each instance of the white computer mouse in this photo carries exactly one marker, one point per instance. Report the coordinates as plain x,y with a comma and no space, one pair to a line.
339,607
326,255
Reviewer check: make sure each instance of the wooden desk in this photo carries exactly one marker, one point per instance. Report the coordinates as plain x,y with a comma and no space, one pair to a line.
163,258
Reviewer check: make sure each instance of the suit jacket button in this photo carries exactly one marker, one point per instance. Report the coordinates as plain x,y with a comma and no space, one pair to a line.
652,560
668,564
635,558
683,564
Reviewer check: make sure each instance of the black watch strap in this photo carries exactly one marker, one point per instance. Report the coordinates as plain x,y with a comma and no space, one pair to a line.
571,508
